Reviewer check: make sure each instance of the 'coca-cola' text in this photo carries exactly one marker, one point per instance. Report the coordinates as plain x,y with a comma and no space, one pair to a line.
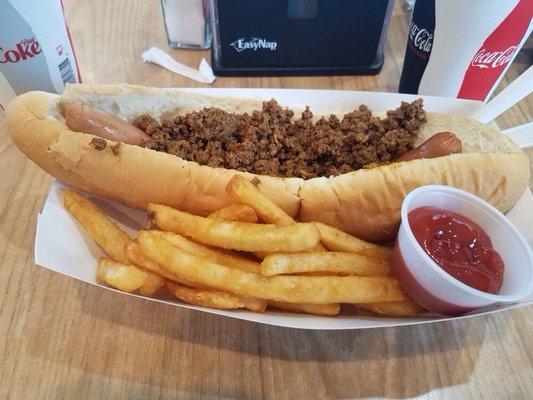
421,38
23,50
493,59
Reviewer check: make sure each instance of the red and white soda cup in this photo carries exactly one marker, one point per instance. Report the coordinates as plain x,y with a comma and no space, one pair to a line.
458,48
35,49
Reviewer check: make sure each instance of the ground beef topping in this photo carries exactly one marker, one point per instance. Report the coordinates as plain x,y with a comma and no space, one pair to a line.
272,142
98,143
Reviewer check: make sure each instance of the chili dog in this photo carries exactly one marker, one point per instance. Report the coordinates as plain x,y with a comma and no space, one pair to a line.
170,161
81,117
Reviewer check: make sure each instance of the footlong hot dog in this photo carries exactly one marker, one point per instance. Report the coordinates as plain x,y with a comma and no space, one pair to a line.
139,145
81,117
439,145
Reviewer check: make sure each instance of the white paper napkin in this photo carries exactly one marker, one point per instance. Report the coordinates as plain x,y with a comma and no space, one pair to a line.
204,73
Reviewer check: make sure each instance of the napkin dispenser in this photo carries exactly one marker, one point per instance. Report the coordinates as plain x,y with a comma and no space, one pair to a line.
298,37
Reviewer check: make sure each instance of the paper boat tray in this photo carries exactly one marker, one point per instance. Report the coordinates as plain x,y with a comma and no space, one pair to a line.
62,245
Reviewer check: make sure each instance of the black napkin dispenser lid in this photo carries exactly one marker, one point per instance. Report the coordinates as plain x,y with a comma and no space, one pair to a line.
298,37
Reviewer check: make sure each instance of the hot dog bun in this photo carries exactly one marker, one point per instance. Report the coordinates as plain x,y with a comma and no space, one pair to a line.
365,203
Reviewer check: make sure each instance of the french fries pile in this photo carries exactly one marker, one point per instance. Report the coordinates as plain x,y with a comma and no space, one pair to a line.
229,260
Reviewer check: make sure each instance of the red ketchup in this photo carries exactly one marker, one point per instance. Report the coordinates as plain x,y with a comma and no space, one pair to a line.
459,246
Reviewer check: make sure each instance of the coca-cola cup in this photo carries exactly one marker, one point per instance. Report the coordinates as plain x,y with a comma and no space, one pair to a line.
35,49
458,48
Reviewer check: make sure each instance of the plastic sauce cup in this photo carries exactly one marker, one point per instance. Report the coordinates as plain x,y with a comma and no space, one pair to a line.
432,287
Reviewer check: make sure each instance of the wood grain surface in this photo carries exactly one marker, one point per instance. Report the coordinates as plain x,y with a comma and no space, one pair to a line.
62,339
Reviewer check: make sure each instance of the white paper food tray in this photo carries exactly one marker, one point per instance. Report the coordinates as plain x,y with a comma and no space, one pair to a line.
62,245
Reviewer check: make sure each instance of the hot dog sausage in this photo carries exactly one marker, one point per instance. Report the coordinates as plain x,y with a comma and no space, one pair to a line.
439,145
81,117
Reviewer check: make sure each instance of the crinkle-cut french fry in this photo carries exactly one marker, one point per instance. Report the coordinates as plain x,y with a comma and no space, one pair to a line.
236,235
98,225
293,289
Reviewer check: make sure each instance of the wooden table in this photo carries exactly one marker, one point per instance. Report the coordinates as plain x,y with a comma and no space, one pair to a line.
60,338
